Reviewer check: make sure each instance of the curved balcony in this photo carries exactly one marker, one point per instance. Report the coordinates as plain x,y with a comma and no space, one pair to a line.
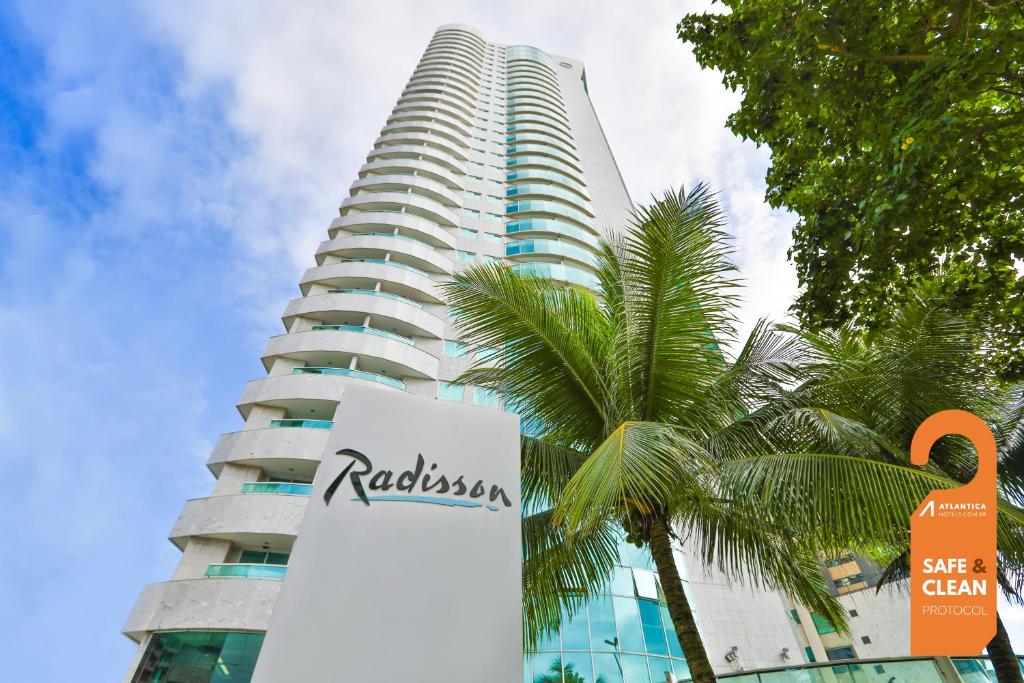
401,182
274,448
549,226
440,90
528,52
537,126
525,85
418,152
241,519
407,224
549,207
537,99
406,316
547,163
419,168
447,73
365,274
531,112
397,201
333,346
546,191
558,271
444,77
520,67
437,121
421,256
451,54
533,174
438,141
455,107
535,120
203,604
442,61
311,392
545,149
424,128
553,248
564,150
453,117
460,43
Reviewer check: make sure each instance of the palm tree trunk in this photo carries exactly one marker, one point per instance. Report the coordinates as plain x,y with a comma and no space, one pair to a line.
1000,651
678,605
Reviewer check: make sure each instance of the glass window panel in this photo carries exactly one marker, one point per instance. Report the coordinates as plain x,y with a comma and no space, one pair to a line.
277,558
602,624
627,622
622,582
547,667
454,349
575,633
646,584
674,648
448,391
654,633
608,667
634,669
485,397
660,667
252,557
577,668
466,232
466,256
681,669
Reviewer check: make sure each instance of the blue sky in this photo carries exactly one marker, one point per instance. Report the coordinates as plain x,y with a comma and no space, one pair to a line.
166,170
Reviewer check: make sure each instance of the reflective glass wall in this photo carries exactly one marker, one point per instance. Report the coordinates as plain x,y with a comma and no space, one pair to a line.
199,657
623,636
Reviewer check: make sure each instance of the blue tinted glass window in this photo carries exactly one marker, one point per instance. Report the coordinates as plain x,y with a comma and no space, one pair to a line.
622,582
577,667
602,623
634,669
575,633
608,667
485,397
448,391
627,622
674,648
466,256
454,349
654,633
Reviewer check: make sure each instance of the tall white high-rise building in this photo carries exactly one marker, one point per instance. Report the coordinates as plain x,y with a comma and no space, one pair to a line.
492,152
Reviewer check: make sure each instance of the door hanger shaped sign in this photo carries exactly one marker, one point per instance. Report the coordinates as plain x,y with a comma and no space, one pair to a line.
953,548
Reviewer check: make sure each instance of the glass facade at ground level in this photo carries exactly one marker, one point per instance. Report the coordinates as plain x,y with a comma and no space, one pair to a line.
622,636
199,657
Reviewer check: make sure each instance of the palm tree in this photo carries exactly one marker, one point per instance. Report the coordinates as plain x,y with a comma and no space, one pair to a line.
837,470
629,407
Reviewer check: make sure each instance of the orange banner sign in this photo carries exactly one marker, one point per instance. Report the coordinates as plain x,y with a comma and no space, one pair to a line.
953,548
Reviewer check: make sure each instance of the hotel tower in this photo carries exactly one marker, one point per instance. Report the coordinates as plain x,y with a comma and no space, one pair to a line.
491,153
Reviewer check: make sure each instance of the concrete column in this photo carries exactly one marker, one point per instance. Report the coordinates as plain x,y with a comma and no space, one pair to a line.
198,555
260,416
232,476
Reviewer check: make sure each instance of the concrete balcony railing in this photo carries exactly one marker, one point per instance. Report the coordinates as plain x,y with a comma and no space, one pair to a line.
420,151
375,244
314,392
366,273
401,182
396,355
232,604
240,518
406,223
406,316
260,446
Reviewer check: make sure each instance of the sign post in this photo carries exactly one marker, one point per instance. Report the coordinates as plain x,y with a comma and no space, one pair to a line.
408,561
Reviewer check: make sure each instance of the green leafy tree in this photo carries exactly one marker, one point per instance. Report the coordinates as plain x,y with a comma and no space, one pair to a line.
837,470
896,132
630,407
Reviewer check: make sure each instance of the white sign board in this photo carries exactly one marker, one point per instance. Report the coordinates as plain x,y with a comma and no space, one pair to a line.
408,560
